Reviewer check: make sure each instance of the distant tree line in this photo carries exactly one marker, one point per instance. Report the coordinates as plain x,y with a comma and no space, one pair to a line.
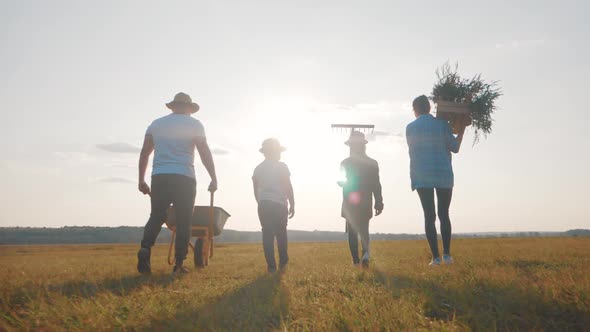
126,234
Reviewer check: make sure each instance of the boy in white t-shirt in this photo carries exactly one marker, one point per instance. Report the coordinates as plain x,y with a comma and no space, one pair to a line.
276,203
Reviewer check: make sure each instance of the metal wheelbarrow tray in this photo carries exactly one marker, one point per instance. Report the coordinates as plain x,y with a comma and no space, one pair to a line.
201,218
203,228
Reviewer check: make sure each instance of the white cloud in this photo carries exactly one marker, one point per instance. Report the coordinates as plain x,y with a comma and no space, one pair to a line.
119,147
74,158
381,108
219,151
115,179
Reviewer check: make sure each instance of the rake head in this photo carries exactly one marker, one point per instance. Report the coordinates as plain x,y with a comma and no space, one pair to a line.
349,128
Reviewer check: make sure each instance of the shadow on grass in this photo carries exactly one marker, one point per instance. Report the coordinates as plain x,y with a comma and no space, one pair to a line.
117,286
30,292
261,305
530,265
490,306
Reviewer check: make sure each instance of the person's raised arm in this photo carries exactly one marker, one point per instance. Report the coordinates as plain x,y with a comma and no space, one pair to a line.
454,143
207,160
144,157
460,139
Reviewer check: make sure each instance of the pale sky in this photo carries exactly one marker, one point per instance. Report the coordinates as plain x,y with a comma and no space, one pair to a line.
80,82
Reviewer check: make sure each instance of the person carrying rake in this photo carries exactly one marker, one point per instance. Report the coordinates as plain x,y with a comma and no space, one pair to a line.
361,184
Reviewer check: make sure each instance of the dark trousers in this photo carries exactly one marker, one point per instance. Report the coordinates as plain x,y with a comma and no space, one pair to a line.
273,219
180,191
444,202
354,229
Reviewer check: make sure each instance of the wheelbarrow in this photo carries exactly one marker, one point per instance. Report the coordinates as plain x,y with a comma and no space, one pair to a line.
206,222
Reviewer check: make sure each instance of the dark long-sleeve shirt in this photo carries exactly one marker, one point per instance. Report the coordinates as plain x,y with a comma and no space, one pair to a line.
362,184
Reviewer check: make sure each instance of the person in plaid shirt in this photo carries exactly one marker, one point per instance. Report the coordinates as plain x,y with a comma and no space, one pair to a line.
431,141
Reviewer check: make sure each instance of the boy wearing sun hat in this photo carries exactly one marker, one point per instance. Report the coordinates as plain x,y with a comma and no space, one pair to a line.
276,203
361,184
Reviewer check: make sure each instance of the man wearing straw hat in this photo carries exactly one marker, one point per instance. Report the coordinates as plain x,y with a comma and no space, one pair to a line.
361,184
273,192
173,139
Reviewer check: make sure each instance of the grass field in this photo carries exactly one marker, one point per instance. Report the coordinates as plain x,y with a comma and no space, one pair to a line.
495,284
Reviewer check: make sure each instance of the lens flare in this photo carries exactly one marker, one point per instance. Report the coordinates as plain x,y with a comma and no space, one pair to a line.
342,177
354,198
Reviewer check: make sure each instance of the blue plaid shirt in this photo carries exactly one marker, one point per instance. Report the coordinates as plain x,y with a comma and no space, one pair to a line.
431,142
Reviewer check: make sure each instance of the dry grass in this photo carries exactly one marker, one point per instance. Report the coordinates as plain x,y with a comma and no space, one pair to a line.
496,284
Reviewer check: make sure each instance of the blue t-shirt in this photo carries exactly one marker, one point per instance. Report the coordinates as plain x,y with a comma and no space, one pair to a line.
430,142
174,138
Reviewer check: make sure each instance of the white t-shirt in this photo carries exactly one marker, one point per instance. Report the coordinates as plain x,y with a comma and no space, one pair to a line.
270,176
174,144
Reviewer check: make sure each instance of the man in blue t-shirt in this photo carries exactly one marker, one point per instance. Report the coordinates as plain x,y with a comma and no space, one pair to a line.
173,139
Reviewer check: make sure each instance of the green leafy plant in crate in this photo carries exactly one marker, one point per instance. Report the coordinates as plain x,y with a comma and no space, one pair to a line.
477,95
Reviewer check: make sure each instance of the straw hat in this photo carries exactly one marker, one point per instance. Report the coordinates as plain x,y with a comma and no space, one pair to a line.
182,99
356,137
272,145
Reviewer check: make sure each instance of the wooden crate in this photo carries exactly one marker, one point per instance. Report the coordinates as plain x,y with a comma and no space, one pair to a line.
457,114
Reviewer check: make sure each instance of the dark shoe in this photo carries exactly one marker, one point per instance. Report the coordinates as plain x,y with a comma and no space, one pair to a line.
143,261
179,270
271,269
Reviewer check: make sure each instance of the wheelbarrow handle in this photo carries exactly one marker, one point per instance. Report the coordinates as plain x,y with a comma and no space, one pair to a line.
211,219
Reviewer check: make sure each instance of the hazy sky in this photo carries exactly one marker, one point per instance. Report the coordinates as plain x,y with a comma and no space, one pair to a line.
80,81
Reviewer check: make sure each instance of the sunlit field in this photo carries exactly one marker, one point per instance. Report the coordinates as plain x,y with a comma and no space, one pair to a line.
495,284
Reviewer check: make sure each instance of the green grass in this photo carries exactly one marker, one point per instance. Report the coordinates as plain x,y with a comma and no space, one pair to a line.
495,284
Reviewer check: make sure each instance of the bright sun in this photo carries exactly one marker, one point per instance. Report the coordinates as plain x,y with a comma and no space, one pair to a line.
314,151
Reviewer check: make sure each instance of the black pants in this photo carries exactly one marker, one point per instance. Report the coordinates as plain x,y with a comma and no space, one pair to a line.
273,219
444,202
354,229
180,191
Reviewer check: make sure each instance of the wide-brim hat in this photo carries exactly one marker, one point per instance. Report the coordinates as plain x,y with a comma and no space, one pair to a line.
272,145
182,99
356,137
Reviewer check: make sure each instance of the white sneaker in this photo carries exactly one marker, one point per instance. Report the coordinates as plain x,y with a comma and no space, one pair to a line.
447,259
435,262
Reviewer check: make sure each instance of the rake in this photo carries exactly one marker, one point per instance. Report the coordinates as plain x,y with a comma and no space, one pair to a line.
345,127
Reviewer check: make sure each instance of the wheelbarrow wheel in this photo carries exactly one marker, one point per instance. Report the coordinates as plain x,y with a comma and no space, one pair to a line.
199,244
